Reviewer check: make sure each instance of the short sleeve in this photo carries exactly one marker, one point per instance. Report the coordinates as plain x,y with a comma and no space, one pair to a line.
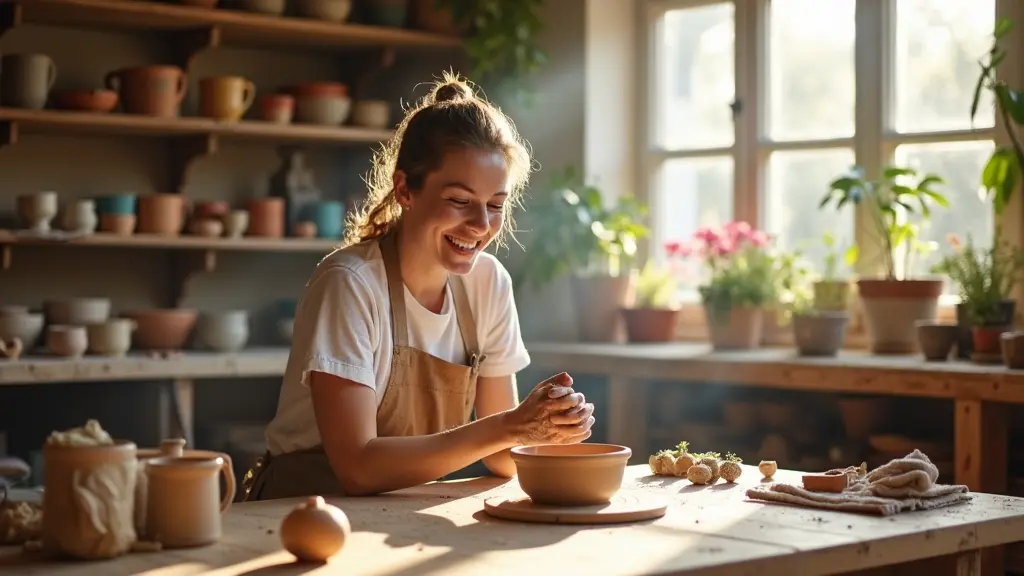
502,339
335,331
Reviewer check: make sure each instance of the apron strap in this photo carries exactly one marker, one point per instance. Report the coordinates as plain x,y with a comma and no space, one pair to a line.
467,323
396,289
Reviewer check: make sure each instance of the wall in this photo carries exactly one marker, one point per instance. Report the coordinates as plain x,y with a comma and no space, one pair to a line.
83,166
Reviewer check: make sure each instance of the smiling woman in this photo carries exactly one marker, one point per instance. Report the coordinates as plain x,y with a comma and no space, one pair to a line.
410,327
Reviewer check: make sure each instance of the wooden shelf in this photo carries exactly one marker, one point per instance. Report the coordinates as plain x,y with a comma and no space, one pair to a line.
153,241
241,28
255,362
63,122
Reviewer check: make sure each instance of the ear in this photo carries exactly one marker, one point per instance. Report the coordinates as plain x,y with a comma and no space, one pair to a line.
401,188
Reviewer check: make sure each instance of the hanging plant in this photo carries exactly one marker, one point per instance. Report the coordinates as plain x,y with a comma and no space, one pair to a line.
502,43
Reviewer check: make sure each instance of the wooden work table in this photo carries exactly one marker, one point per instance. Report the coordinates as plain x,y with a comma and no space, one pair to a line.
440,528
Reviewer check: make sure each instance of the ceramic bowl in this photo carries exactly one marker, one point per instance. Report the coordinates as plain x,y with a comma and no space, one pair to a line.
323,110
571,475
163,329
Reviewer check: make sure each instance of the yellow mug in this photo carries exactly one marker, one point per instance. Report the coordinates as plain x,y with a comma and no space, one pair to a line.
225,97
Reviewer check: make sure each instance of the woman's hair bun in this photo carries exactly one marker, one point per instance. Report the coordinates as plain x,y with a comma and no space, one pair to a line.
451,91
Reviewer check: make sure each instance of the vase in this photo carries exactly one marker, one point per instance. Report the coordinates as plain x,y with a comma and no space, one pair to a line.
739,328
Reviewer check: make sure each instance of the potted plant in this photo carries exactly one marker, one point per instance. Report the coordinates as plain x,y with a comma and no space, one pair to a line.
893,206
574,233
655,315
739,284
984,279
818,332
832,290
791,284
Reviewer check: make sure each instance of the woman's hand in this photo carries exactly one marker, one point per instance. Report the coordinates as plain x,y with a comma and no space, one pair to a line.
552,414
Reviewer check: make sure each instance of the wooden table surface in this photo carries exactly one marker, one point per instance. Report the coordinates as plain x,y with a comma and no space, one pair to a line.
440,528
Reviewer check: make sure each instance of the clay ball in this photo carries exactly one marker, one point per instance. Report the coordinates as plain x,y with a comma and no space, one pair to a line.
730,471
315,531
663,463
768,468
712,464
698,474
682,466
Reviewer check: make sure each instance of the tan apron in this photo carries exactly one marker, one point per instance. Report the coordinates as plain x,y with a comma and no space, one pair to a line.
424,395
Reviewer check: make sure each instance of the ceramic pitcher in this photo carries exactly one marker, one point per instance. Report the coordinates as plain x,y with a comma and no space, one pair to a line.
150,90
26,80
183,501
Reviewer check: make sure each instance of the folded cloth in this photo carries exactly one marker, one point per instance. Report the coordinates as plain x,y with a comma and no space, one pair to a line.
902,485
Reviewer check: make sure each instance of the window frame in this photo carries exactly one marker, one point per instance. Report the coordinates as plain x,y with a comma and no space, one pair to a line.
874,141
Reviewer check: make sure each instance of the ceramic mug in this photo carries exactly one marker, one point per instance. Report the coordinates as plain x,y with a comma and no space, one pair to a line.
225,97
329,217
116,204
26,80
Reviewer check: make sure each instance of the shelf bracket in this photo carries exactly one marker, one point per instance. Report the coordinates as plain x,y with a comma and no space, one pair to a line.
10,17
5,257
185,266
8,133
185,152
193,42
384,60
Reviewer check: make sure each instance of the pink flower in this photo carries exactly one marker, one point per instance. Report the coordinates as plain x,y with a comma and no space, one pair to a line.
738,230
760,238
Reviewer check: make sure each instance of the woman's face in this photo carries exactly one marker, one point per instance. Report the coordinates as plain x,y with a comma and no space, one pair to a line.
459,210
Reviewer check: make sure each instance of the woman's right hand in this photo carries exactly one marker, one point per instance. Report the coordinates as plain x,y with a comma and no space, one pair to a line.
552,414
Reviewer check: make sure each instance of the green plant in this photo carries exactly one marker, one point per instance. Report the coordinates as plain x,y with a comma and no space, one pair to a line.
571,230
832,255
1003,170
655,287
792,282
502,45
984,278
893,203
741,270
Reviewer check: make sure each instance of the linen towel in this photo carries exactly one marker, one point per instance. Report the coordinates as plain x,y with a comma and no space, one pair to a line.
902,485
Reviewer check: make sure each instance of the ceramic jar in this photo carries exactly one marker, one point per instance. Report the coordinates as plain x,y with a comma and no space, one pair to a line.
183,500
266,217
162,214
277,108
77,311
80,216
327,215
223,331
111,338
73,477
67,341
26,80
38,210
150,90
236,223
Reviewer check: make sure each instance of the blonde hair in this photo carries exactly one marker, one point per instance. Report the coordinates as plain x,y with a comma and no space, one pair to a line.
451,117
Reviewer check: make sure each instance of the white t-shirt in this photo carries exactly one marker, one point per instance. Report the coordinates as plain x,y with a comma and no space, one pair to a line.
343,327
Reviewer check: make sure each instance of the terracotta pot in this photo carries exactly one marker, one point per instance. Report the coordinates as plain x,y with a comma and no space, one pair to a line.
86,100
987,346
277,108
1013,349
776,329
965,325
571,475
163,329
892,309
598,300
651,324
936,339
119,224
427,16
150,90
67,341
820,333
266,217
832,295
739,328
162,214
305,230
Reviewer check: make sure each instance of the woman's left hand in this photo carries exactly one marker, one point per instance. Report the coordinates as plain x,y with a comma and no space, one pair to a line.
575,416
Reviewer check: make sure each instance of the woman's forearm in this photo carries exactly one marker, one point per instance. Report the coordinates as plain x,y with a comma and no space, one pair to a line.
501,464
396,462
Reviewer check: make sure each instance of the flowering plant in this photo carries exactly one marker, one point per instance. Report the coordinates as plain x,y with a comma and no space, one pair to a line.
984,278
740,268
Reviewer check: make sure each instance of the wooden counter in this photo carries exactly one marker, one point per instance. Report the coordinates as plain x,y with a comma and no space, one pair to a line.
441,529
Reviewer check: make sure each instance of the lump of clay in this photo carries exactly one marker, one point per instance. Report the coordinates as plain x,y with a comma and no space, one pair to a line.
92,434
315,530
730,470
662,462
683,464
712,463
699,474
20,522
768,468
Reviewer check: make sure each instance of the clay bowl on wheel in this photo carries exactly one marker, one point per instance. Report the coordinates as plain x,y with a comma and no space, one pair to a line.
571,475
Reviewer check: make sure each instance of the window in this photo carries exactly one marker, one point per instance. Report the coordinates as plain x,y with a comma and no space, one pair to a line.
754,110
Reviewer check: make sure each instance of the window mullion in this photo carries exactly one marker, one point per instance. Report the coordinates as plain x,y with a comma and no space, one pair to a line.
873,60
749,69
